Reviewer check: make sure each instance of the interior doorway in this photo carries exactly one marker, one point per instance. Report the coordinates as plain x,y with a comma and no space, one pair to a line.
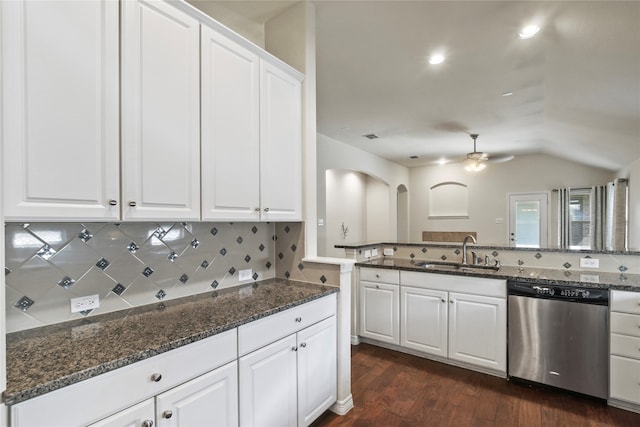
528,220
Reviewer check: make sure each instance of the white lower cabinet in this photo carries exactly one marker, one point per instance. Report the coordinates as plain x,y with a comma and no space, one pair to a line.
379,305
209,400
624,362
424,320
293,380
477,330
458,318
140,415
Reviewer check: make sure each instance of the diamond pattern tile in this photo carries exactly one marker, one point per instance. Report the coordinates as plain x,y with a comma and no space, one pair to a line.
109,259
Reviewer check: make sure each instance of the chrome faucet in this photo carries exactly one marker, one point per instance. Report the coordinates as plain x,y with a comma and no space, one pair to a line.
464,247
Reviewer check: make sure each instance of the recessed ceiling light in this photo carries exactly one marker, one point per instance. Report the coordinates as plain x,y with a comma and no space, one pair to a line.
436,59
507,94
529,31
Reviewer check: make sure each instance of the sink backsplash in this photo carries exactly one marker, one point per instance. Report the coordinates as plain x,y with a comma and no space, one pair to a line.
132,264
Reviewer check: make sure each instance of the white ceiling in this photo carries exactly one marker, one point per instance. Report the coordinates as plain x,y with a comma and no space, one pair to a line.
576,86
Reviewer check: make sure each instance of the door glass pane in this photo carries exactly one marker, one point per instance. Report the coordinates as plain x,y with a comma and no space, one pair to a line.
527,224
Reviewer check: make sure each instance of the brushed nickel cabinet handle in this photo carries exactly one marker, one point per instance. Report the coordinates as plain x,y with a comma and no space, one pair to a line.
132,204
113,202
167,414
156,377
266,209
147,423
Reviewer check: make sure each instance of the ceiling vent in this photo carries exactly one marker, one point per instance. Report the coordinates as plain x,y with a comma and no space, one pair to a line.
371,136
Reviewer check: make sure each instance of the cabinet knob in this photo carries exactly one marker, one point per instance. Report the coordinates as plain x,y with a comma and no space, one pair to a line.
294,348
147,423
113,202
377,276
257,209
298,319
266,209
451,301
167,414
377,286
443,300
156,377
132,204
303,344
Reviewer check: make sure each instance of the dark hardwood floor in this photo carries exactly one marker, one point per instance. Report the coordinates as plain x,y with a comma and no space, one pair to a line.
395,389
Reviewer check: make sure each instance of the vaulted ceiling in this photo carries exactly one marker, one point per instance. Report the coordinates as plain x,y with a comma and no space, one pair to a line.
575,85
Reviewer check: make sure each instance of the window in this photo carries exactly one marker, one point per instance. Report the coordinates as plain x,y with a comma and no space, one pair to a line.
580,219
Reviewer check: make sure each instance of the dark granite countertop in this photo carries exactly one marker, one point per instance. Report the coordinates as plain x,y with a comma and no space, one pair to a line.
44,359
617,281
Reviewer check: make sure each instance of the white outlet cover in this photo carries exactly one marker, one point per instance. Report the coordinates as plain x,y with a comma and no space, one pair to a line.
367,254
388,251
85,303
374,252
589,262
245,274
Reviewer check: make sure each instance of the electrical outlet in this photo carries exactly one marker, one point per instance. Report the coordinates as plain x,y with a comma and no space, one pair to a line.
388,251
367,253
85,303
374,252
589,262
245,274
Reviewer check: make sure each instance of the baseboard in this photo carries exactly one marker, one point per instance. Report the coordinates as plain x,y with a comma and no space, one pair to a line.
624,405
355,339
343,406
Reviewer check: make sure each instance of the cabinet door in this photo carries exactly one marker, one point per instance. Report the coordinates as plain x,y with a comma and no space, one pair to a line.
624,379
280,145
379,317
268,385
140,415
209,400
230,130
478,330
424,320
317,370
160,112
60,126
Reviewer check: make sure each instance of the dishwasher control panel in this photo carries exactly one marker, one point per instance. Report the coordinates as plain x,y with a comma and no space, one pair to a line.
560,292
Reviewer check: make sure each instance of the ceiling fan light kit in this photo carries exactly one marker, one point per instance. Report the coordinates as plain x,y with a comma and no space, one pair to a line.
476,160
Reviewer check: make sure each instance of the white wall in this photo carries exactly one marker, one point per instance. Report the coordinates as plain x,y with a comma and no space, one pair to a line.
346,205
489,189
377,223
336,155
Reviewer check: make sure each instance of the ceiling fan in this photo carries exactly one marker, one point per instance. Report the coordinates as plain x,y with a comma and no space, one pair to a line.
476,161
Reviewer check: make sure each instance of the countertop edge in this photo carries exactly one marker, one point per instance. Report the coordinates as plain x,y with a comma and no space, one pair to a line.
67,380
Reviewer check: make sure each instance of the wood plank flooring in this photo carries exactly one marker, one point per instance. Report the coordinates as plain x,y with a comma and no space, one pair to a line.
394,389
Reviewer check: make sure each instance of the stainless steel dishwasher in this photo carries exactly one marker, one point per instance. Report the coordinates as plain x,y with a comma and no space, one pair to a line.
558,335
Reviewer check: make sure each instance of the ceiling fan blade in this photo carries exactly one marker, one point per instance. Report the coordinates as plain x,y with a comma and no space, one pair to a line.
501,158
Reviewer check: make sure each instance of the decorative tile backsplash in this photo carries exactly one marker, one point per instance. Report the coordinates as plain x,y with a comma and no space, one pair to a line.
132,264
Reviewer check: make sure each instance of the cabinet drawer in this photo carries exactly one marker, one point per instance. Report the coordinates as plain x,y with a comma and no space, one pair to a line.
380,275
624,379
627,302
626,324
624,345
264,331
113,391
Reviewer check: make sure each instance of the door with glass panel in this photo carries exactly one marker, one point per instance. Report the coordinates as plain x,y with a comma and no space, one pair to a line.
528,220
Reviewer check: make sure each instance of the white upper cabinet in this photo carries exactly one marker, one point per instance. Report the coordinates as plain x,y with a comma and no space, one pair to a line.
160,112
281,145
60,109
251,135
230,129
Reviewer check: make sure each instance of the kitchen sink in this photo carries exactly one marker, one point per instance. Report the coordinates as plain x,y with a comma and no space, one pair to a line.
437,265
